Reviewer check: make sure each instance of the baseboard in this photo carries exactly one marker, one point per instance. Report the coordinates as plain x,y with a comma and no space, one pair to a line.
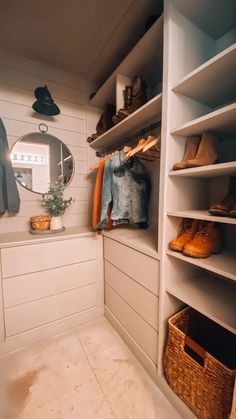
22,340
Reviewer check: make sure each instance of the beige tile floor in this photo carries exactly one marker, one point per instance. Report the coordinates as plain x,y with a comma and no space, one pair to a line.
86,373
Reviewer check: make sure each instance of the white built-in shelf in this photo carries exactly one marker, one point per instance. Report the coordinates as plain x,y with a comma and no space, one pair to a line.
214,82
148,113
212,296
213,17
140,60
202,215
214,170
223,264
222,120
144,241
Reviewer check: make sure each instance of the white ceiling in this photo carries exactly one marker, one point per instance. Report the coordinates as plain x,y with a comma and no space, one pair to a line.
88,37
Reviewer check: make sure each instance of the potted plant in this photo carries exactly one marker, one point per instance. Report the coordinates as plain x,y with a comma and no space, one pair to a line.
54,200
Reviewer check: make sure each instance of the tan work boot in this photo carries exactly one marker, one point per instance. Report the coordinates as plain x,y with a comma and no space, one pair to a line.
190,152
205,242
228,205
207,153
187,230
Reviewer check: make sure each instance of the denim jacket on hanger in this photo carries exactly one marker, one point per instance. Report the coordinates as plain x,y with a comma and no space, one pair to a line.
9,195
127,185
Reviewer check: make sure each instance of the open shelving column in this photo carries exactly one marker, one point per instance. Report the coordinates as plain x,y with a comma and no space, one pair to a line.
199,54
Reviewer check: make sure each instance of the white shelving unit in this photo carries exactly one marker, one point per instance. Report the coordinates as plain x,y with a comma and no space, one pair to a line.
202,215
213,83
223,264
199,92
218,305
216,170
147,114
140,60
220,121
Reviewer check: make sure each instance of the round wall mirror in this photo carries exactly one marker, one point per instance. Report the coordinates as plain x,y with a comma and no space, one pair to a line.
40,160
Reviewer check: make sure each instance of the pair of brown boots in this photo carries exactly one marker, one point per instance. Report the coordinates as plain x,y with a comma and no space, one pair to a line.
134,97
199,152
198,239
105,122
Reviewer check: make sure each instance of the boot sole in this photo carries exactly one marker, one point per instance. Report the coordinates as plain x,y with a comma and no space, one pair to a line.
176,249
201,256
231,214
189,165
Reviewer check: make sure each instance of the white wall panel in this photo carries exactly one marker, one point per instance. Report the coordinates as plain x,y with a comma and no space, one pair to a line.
18,79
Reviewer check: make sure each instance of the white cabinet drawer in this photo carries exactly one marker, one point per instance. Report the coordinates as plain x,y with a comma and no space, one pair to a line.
37,313
24,288
36,257
140,267
139,298
142,332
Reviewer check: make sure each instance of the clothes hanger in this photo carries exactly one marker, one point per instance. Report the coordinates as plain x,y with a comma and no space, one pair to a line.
151,142
96,165
136,149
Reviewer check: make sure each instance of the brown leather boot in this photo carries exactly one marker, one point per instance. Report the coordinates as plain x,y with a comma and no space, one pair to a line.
190,152
139,97
187,230
105,122
207,153
205,242
228,205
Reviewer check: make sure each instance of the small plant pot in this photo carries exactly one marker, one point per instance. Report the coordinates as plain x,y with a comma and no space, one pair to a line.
56,223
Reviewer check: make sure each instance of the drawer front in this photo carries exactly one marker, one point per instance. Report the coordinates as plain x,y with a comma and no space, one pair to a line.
37,257
142,332
24,288
37,313
139,298
138,266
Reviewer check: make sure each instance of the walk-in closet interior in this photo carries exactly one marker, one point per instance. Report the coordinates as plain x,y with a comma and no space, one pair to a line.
129,109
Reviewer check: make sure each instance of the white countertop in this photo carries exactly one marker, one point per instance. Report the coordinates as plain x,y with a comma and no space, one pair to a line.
24,237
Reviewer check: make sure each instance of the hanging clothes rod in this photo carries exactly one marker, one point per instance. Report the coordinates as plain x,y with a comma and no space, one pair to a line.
128,139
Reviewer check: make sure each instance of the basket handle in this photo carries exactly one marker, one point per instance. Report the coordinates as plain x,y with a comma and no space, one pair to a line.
194,350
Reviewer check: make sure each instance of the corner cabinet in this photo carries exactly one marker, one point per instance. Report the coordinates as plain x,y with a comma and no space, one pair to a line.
49,284
131,255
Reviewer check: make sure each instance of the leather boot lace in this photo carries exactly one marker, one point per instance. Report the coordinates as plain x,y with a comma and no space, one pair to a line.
204,230
187,224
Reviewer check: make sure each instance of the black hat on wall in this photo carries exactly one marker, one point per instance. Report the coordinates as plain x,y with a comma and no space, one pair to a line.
45,103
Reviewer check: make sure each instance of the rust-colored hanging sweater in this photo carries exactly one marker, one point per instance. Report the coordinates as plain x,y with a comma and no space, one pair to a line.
97,197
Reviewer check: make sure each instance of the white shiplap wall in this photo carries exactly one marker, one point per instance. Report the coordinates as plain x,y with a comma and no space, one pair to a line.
18,79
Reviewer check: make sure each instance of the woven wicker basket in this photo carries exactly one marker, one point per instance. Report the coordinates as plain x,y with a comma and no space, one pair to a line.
40,222
200,364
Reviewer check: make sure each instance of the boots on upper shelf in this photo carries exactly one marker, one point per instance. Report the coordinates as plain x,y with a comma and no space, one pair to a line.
105,122
199,152
134,97
198,239
228,204
190,152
